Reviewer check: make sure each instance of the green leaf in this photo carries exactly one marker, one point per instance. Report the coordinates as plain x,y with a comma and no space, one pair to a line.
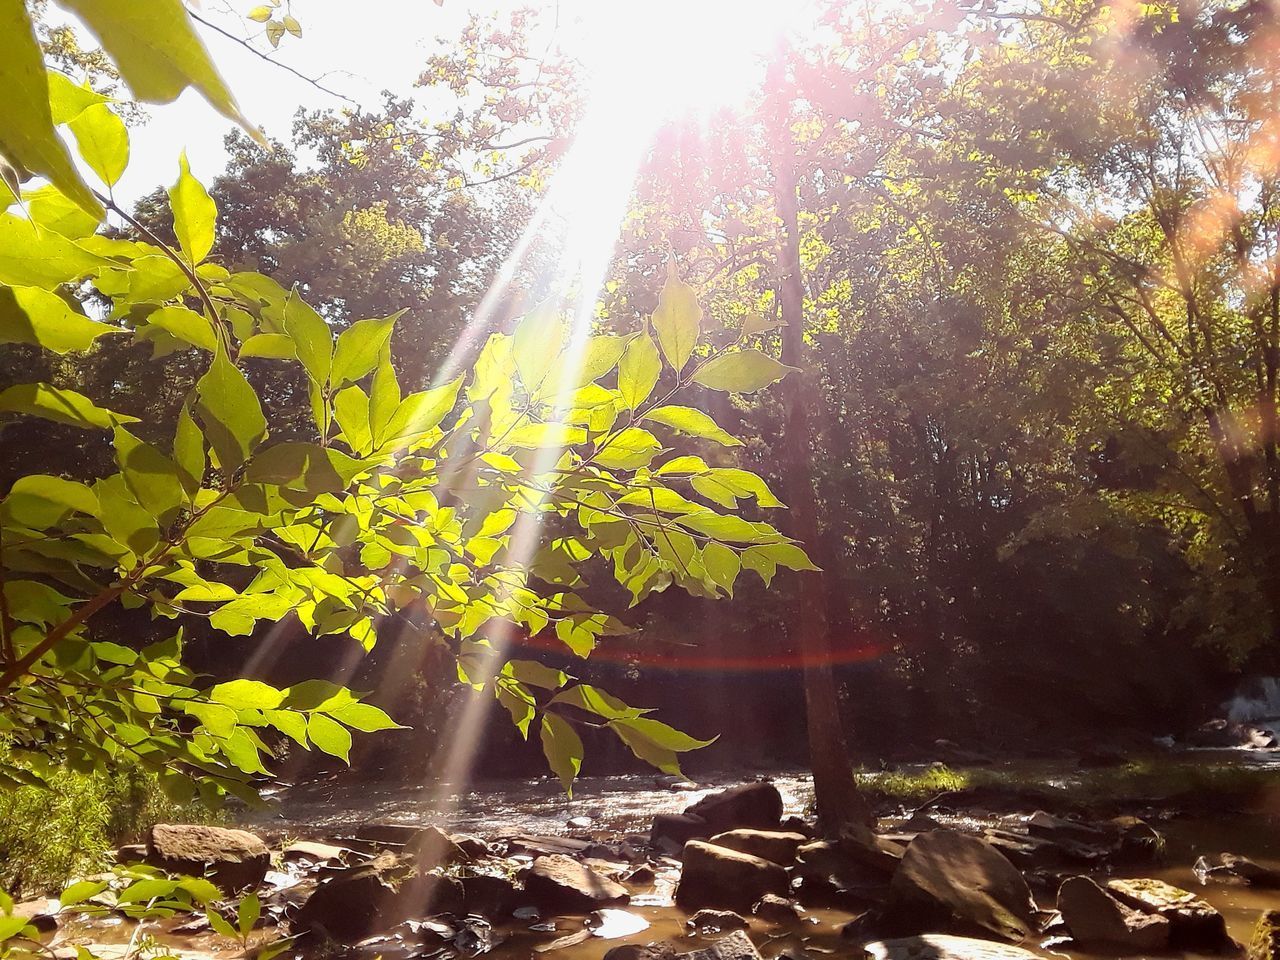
630,449
359,347
600,355
594,700
220,924
303,466
247,914
312,338
27,134
43,319
33,257
787,555
151,477
692,422
535,674
232,416
81,891
219,719
188,451
536,344
275,346
519,703
247,695
656,743
103,142
157,51
200,890
187,325
563,749
61,406
242,750
638,371
68,99
743,371
678,320
364,717
722,565
53,210
725,485
194,212
330,736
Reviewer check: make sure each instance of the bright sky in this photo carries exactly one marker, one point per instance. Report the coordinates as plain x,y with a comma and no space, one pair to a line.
358,49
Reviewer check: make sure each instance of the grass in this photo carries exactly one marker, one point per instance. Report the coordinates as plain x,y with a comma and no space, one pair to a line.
49,836
1175,781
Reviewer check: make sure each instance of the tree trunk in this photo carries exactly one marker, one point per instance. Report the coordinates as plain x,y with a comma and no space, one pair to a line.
839,802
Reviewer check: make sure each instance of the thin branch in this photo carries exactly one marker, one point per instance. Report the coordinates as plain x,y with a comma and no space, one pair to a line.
262,56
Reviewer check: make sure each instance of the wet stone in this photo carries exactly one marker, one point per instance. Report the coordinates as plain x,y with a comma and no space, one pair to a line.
736,946
716,920
941,947
1193,923
1095,918
233,859
719,877
773,845
557,882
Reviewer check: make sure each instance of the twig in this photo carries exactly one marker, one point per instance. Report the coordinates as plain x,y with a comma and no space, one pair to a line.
262,56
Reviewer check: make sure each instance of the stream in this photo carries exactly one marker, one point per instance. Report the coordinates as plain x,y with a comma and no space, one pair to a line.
611,807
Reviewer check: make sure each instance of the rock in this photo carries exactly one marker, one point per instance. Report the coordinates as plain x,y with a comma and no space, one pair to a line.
772,845
1230,866
472,846
1193,924
373,898
431,847
657,950
920,822
643,874
349,907
949,877
1138,841
579,823
775,909
315,852
233,859
830,876
793,824
736,946
674,830
131,853
41,914
1095,918
491,896
866,847
559,883
716,920
937,946
1049,827
1265,942
756,805
719,877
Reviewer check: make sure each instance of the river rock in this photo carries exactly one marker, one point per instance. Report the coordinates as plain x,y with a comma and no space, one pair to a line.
947,877
314,852
1193,924
772,845
491,896
775,909
1049,827
657,950
1095,918
233,859
719,877
1137,840
936,946
671,831
829,876
1233,867
736,946
431,847
373,898
756,805
715,920
1265,942
559,883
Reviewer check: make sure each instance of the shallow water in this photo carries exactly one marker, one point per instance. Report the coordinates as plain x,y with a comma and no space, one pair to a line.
627,804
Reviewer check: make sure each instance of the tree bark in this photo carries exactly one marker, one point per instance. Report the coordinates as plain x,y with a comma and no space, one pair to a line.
839,802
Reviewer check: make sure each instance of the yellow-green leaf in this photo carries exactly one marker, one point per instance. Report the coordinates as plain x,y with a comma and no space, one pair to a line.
678,320
194,213
103,142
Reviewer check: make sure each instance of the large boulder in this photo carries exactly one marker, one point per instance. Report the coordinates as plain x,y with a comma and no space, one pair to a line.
1095,918
719,877
936,946
1193,923
950,879
558,883
830,875
233,859
773,845
756,805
